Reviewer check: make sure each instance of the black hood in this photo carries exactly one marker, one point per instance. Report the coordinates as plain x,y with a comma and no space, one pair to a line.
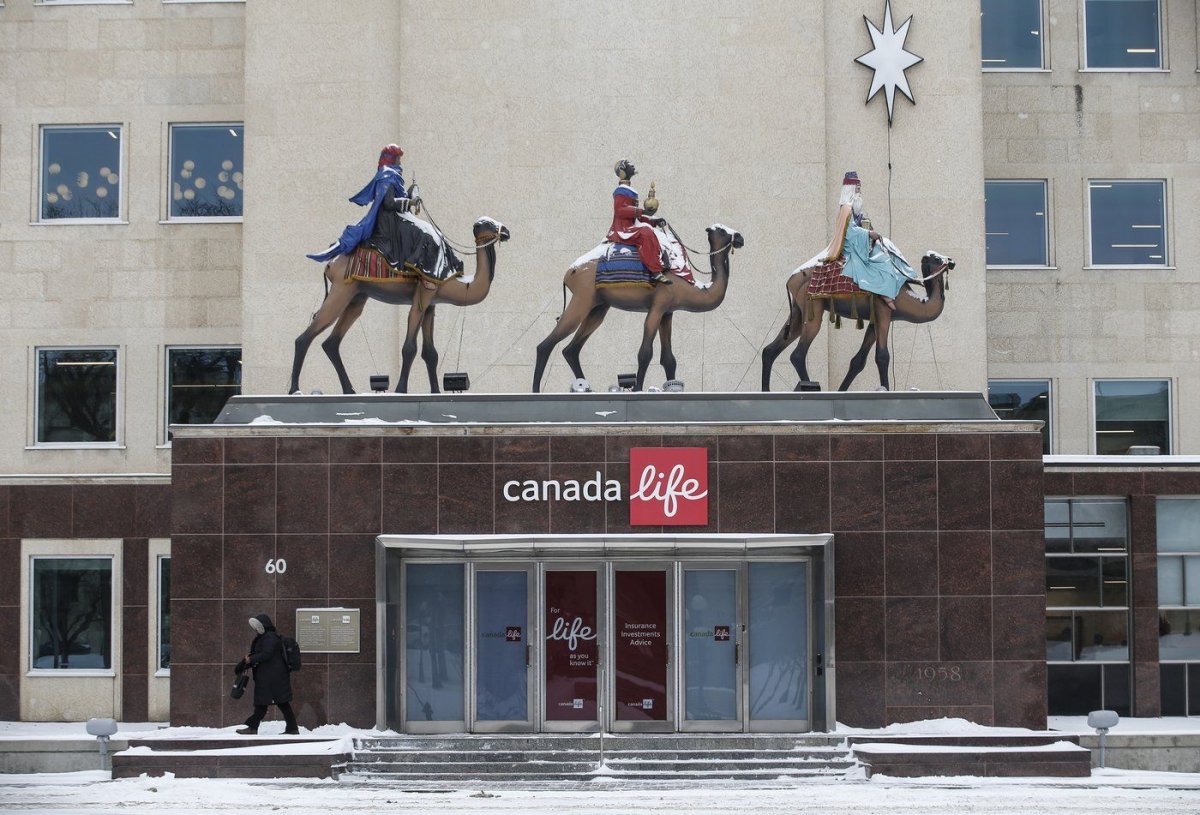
266,621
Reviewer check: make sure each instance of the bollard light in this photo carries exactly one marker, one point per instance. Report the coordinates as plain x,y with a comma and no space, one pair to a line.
102,729
1102,721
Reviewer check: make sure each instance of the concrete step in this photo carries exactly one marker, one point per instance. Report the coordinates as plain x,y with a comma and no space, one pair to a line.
417,756
353,775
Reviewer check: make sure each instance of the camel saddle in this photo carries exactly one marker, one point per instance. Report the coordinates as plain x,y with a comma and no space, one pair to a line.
618,264
827,280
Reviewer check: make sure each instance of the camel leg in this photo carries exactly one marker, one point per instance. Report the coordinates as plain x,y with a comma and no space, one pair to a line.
332,344
667,353
787,335
429,352
336,300
408,351
590,324
883,357
645,352
860,358
808,333
573,315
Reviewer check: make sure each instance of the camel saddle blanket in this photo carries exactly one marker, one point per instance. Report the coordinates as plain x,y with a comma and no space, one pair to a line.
828,281
620,266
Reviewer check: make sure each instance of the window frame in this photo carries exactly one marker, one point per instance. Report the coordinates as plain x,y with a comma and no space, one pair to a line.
1182,554
165,413
1049,227
115,653
1099,556
44,127
168,169
1044,67
1168,254
1163,29
163,602
118,441
1050,408
1170,409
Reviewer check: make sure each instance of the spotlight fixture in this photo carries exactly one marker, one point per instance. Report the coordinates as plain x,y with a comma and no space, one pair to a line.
581,386
456,382
379,383
626,382
673,386
808,386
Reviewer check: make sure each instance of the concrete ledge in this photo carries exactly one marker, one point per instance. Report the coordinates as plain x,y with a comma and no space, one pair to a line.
1059,760
53,755
1165,752
224,758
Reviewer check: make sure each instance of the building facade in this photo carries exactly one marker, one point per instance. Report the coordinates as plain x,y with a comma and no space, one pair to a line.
165,165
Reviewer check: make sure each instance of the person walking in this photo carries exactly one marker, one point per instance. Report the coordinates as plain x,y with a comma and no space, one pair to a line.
272,684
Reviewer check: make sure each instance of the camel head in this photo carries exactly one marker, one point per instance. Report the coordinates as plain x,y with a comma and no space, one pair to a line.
489,229
934,261
731,236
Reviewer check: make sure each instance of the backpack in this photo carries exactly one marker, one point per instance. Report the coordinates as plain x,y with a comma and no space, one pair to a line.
291,653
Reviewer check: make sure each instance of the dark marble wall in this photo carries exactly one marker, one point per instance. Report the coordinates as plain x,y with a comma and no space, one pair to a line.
939,562
134,512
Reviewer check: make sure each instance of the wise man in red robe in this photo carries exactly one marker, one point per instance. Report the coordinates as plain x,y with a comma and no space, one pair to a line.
631,225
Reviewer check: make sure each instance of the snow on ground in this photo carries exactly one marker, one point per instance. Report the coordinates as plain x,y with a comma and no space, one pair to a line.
1100,796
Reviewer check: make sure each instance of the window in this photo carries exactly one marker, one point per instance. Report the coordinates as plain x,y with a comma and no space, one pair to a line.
1023,399
1012,34
1087,600
1016,224
76,396
206,171
81,173
200,382
1179,605
1132,413
1123,34
164,613
71,613
1128,222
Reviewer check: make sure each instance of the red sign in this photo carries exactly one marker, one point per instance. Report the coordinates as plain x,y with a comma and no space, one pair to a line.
572,650
641,645
668,486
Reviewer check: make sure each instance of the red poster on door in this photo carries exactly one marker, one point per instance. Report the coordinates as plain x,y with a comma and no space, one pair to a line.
572,647
641,646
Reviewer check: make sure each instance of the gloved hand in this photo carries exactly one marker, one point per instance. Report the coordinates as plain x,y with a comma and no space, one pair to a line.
241,666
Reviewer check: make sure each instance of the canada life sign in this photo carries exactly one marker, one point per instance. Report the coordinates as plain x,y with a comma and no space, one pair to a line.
668,487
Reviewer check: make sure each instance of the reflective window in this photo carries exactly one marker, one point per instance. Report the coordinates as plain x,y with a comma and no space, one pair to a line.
1076,690
1025,399
81,169
1128,222
1132,413
1015,222
1178,635
1086,526
1178,525
200,382
164,613
433,642
77,396
1123,33
206,171
1180,689
72,613
1012,33
1178,552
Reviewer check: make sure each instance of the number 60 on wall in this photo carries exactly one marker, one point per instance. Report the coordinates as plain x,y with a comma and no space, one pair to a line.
276,566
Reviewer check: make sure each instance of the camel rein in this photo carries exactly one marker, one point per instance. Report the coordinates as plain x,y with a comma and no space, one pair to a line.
463,248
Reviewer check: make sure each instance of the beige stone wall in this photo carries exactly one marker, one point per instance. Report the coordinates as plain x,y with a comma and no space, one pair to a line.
138,285
1072,324
745,114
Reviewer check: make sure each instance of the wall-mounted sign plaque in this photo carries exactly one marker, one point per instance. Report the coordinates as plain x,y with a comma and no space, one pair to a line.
328,630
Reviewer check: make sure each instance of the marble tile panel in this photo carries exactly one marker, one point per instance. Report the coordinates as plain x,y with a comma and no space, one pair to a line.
856,495
910,495
303,450
355,503
410,499
802,497
858,565
911,626
302,502
964,495
250,450
964,563
802,447
308,565
249,498
912,564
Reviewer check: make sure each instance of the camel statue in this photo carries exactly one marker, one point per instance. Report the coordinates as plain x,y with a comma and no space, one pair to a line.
345,300
805,313
589,304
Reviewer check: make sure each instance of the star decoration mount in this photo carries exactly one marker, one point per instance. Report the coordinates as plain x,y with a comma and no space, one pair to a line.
889,59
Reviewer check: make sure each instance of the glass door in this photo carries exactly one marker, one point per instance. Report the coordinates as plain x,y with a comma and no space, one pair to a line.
503,636
642,674
777,639
712,649
571,642
433,628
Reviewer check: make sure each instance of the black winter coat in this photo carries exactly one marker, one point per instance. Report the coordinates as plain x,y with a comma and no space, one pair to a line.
272,683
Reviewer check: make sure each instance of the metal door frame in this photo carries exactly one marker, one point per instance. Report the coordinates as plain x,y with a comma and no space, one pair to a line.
779,725
542,723
418,726
668,567
532,631
736,725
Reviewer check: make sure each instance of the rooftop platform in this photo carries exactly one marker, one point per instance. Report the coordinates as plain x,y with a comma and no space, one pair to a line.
613,409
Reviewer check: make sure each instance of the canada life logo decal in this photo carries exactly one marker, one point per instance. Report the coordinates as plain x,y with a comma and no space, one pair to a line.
668,486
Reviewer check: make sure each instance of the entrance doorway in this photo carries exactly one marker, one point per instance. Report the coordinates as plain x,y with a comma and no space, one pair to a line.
624,644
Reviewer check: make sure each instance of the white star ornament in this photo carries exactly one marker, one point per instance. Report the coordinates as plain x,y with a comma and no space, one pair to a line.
888,59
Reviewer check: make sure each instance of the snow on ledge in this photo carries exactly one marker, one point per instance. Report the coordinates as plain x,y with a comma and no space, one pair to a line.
886,747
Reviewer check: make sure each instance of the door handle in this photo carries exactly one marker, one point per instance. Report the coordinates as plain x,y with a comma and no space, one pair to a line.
668,654
737,653
528,648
